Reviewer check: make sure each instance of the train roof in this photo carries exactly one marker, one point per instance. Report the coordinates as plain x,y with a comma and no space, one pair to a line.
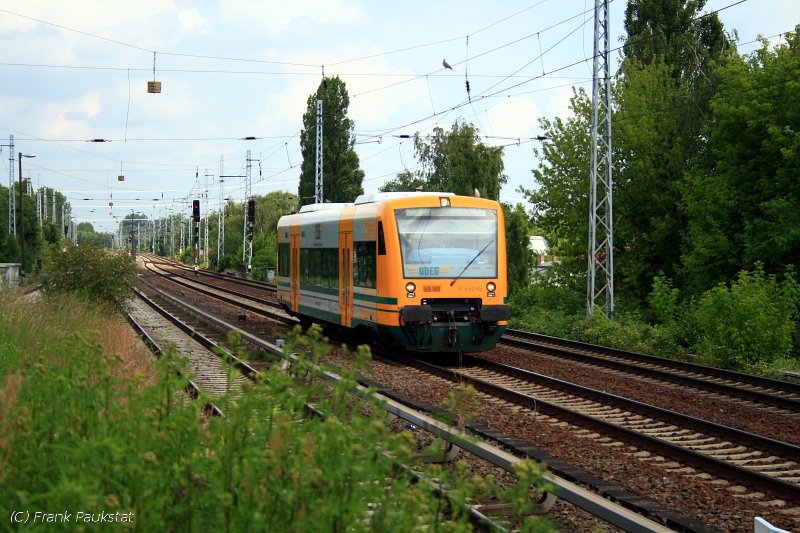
370,199
383,196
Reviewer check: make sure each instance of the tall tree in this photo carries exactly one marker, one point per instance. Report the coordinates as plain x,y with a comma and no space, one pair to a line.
518,247
561,200
746,207
405,181
674,33
457,161
342,176
662,107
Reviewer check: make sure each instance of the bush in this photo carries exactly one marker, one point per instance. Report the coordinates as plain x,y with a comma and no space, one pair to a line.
663,300
546,308
77,436
93,274
748,325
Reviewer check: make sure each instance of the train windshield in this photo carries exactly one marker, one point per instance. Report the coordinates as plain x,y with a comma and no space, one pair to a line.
448,242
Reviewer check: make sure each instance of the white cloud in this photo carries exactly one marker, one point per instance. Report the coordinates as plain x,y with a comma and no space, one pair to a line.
193,22
70,119
278,16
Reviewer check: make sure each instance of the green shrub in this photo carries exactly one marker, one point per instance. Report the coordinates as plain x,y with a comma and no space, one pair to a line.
77,436
663,300
748,325
94,274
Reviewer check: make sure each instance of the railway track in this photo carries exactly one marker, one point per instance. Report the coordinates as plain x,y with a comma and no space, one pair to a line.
745,458
595,503
735,459
202,273
778,397
246,301
206,368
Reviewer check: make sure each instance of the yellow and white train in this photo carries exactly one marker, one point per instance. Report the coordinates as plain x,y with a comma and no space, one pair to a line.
426,271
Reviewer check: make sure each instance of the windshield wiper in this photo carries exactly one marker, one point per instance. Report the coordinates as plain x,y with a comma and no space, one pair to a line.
472,261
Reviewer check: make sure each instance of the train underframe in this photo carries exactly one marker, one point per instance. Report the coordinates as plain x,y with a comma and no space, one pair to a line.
449,325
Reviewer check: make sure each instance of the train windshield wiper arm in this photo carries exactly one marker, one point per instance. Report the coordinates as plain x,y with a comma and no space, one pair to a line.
471,261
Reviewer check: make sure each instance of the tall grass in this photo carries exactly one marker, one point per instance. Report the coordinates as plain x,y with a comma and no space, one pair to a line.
88,423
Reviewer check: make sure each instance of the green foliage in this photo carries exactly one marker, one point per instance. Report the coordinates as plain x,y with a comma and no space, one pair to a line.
529,474
518,251
265,254
78,435
745,207
650,137
674,32
405,181
93,274
87,235
457,161
342,175
561,200
663,300
547,307
750,324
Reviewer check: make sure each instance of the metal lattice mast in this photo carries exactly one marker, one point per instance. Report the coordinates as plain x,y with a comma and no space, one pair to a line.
39,205
205,216
318,196
600,290
221,221
247,192
12,206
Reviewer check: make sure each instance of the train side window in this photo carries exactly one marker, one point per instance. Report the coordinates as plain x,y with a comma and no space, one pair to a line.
364,266
381,240
305,266
283,259
332,260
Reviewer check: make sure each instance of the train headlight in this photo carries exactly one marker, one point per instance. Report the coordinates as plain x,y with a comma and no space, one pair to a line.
410,288
491,286
444,201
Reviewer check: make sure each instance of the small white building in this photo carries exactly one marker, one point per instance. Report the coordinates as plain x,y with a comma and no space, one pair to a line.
541,250
9,275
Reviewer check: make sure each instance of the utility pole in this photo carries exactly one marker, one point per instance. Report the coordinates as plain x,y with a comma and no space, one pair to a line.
22,220
221,214
12,208
318,196
247,191
39,205
600,285
205,217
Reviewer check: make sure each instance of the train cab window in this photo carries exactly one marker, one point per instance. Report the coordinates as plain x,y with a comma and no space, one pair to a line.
364,267
448,242
381,240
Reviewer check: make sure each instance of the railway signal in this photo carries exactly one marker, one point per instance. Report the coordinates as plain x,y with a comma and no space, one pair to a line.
196,229
251,221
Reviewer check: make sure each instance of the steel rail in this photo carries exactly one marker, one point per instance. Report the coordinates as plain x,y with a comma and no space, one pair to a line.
566,348
597,504
191,387
476,517
739,474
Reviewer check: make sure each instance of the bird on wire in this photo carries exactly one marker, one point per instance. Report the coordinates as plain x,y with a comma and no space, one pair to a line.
445,64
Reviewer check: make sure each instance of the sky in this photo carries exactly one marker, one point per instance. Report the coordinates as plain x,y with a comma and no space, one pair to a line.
73,71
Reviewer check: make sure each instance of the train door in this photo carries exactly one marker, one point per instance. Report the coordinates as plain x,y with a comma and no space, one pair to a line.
294,281
346,277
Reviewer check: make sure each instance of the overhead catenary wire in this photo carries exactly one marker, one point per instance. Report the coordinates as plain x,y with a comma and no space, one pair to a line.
286,144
